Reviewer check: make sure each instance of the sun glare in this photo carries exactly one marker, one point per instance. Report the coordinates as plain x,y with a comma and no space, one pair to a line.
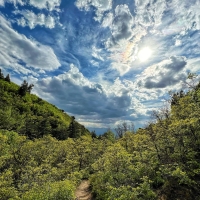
144,54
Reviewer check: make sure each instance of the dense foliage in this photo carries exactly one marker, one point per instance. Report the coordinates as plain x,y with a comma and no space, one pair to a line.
159,162
29,115
45,168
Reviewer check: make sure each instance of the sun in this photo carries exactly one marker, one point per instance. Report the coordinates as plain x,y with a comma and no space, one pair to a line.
144,54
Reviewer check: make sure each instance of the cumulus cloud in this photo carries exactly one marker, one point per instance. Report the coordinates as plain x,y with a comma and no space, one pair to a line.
32,20
193,65
45,4
21,53
128,30
1,3
107,20
94,103
119,45
76,94
165,74
100,6
40,4
120,67
149,12
186,14
122,23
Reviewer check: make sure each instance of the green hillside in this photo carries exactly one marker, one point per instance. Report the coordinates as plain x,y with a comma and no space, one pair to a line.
33,117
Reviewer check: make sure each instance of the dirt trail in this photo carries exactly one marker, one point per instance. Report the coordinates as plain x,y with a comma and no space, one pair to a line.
83,191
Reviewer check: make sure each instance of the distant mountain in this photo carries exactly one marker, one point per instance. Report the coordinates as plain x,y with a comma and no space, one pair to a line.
29,115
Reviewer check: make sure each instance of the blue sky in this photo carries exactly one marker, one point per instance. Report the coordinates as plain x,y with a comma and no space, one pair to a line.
102,61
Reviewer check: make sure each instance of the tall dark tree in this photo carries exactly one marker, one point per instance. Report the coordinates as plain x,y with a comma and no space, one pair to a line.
30,87
94,135
25,88
7,78
1,75
72,129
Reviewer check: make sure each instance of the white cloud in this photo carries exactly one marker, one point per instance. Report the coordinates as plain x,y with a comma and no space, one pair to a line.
76,94
96,53
15,2
50,22
120,67
20,53
32,20
83,4
122,51
149,12
107,20
101,6
1,3
167,74
122,23
184,15
102,103
122,26
46,4
194,65
98,102
128,31
178,42
40,4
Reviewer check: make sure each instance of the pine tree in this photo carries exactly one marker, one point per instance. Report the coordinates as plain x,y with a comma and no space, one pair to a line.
30,87
1,75
25,88
7,78
72,131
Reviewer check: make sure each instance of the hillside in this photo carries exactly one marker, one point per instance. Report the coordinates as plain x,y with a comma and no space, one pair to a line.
159,162
31,116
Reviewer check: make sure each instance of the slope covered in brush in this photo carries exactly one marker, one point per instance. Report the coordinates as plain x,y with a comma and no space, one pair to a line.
161,161
29,115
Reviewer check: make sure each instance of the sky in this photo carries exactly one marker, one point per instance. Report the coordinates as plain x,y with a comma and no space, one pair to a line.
102,61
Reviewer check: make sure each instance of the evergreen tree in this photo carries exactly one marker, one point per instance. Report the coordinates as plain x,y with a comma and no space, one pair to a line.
72,131
25,88
7,78
30,87
1,75
93,134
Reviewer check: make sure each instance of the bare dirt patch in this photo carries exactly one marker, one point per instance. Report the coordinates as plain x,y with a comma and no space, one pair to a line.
83,192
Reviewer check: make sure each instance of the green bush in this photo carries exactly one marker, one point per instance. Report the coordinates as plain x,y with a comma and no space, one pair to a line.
62,190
